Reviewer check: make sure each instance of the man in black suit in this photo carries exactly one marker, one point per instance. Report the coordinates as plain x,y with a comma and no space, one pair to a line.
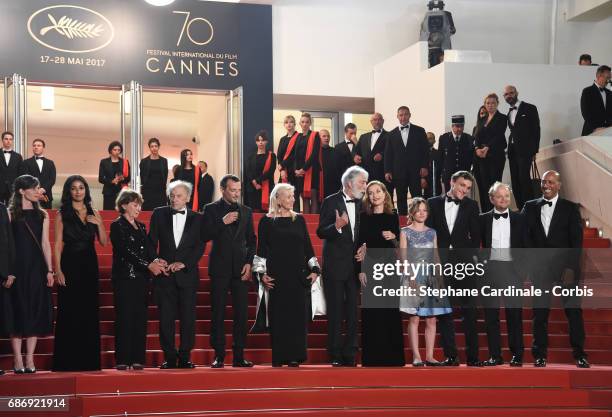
208,185
10,167
7,258
176,230
523,143
454,217
229,225
339,228
370,151
455,151
502,231
345,150
406,159
331,176
42,168
554,224
596,102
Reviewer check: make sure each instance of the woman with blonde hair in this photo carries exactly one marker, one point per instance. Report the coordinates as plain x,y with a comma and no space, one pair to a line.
285,266
382,338
308,166
418,243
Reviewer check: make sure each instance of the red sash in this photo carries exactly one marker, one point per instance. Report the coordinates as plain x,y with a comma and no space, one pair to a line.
265,184
290,148
196,183
126,171
308,174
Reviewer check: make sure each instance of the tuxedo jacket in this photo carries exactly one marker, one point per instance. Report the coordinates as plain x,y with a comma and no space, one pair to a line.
339,248
9,172
7,255
106,174
404,162
455,157
524,136
565,230
344,157
466,231
376,169
518,234
233,245
208,189
493,135
593,111
189,250
46,177
145,171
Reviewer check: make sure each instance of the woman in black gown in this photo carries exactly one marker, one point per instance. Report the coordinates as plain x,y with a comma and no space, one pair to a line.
285,264
30,293
190,172
308,166
260,174
153,178
114,174
77,326
382,338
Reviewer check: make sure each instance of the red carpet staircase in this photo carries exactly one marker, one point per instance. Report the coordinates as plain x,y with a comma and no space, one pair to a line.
315,389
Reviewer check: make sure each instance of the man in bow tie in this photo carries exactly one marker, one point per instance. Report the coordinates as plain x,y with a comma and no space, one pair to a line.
175,232
42,168
523,143
339,229
10,167
345,150
596,103
454,216
370,150
554,226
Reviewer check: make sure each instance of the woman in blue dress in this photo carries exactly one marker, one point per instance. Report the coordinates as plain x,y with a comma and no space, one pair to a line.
418,242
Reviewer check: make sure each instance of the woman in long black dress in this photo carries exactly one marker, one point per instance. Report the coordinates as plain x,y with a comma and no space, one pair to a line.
308,166
286,265
77,326
153,177
490,143
30,293
382,338
114,174
260,174
190,172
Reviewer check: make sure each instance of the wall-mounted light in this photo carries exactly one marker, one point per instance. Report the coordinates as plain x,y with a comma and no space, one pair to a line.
127,102
47,98
159,2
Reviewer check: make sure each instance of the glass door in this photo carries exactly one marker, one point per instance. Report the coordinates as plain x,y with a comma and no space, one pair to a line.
235,133
15,110
329,121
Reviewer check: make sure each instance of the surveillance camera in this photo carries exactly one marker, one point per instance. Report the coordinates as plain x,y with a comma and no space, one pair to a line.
195,140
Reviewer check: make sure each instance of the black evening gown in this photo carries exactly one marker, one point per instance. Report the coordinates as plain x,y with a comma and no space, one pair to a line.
77,327
285,244
32,307
154,193
301,146
188,175
382,338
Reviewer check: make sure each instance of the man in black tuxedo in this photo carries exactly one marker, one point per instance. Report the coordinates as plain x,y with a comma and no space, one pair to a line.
455,151
175,232
331,176
370,151
10,167
345,150
339,228
554,224
42,168
523,143
502,231
406,159
208,185
596,102
229,225
454,217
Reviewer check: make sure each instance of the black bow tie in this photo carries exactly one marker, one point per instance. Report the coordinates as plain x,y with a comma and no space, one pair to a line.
512,108
546,202
457,138
452,200
39,158
498,215
376,131
8,151
404,127
173,211
354,200
602,89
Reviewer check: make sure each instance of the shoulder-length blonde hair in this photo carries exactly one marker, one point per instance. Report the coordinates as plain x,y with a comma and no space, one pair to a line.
388,204
274,209
414,205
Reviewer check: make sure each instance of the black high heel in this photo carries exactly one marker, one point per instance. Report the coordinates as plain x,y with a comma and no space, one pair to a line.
19,370
30,370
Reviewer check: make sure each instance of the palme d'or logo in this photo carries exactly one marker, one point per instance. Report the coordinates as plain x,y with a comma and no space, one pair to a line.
69,28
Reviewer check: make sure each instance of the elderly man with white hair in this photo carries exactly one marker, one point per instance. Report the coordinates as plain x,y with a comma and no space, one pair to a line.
339,228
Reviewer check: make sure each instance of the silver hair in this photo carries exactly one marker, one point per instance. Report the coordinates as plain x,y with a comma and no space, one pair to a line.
351,173
496,186
187,185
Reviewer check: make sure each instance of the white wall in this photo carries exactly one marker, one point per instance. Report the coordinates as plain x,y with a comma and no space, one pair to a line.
349,37
212,133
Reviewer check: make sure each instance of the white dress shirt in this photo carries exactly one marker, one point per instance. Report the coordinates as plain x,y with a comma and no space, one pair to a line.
405,133
178,226
350,144
375,136
350,210
500,237
39,162
512,113
7,157
450,210
547,212
603,95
